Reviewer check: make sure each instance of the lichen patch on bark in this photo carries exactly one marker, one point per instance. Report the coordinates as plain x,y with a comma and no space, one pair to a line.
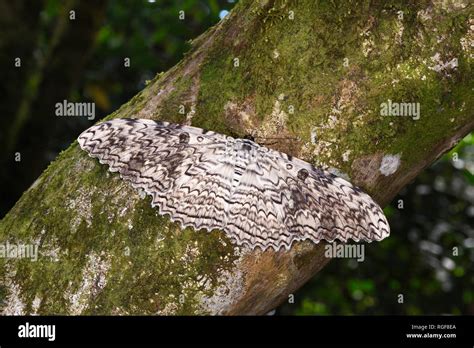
389,164
94,279
332,65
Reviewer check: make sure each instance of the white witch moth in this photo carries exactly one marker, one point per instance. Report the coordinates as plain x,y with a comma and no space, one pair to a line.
259,197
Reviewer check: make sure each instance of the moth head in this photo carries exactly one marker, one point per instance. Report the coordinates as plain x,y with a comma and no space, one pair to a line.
249,137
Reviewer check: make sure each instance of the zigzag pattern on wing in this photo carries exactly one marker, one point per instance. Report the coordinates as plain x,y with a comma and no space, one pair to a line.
259,197
149,155
320,207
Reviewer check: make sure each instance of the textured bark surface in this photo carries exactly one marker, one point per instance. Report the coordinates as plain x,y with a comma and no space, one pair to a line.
313,74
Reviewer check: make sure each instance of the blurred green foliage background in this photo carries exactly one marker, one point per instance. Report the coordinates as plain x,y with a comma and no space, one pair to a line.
83,60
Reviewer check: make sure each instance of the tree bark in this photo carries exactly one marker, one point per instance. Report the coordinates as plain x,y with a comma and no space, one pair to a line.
308,75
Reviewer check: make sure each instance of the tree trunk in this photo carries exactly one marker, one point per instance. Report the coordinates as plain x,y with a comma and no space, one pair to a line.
312,77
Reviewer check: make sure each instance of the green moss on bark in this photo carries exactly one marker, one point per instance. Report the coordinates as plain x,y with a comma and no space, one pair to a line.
321,74
107,251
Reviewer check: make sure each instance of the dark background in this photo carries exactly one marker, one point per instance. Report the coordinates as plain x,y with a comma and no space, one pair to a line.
82,60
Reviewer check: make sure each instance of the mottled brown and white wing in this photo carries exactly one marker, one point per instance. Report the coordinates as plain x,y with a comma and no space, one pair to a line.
257,196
